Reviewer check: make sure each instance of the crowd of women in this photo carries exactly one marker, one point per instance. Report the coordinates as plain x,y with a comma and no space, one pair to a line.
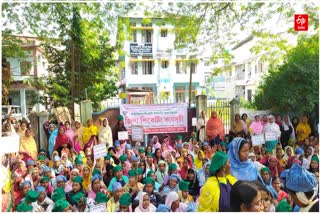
209,172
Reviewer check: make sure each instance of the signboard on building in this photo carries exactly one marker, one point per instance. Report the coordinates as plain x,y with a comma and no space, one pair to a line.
140,49
219,83
165,118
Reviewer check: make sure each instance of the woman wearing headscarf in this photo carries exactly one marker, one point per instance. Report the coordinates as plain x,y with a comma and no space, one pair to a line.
53,133
314,164
302,186
174,180
256,126
95,186
241,167
105,134
172,201
74,173
288,153
69,132
43,201
21,191
217,186
6,181
78,135
273,129
22,129
89,131
198,161
62,140
86,175
238,126
144,204
287,131
28,146
303,129
119,127
203,174
244,118
76,188
214,127
161,171
201,126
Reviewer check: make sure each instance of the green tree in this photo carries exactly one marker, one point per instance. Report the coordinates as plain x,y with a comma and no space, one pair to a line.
76,38
293,86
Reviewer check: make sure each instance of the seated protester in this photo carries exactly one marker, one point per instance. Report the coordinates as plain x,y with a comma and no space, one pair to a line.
43,202
86,176
245,197
76,187
140,174
73,174
194,183
161,171
142,153
144,203
107,177
134,162
184,192
172,185
152,174
203,174
173,169
58,194
300,156
125,202
33,177
163,208
118,177
283,206
133,186
223,147
62,206
172,201
61,181
57,166
266,180
95,186
268,201
218,186
24,207
265,159
101,198
45,183
155,197
302,186
31,197
78,163
314,164
253,158
113,204
149,163
280,158
118,150
80,203
125,165
276,184
113,160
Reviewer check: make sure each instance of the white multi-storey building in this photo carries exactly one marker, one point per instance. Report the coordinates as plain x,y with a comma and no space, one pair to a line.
34,64
242,77
154,69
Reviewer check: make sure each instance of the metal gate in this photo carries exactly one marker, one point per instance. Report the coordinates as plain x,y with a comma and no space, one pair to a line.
223,109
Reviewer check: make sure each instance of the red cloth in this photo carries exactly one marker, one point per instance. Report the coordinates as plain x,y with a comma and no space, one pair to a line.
282,195
214,127
60,140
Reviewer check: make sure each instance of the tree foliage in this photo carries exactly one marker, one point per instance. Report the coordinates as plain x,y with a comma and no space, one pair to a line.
74,35
293,86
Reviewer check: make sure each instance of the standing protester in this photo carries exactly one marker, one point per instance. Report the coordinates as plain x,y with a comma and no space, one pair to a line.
201,127
214,127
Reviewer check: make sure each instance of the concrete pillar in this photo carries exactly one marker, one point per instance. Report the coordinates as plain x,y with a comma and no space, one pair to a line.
23,103
201,104
43,117
234,109
85,111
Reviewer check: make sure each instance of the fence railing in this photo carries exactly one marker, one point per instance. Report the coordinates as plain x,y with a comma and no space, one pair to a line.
223,109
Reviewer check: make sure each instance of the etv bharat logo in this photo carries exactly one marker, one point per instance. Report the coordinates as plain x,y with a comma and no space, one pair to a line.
301,22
